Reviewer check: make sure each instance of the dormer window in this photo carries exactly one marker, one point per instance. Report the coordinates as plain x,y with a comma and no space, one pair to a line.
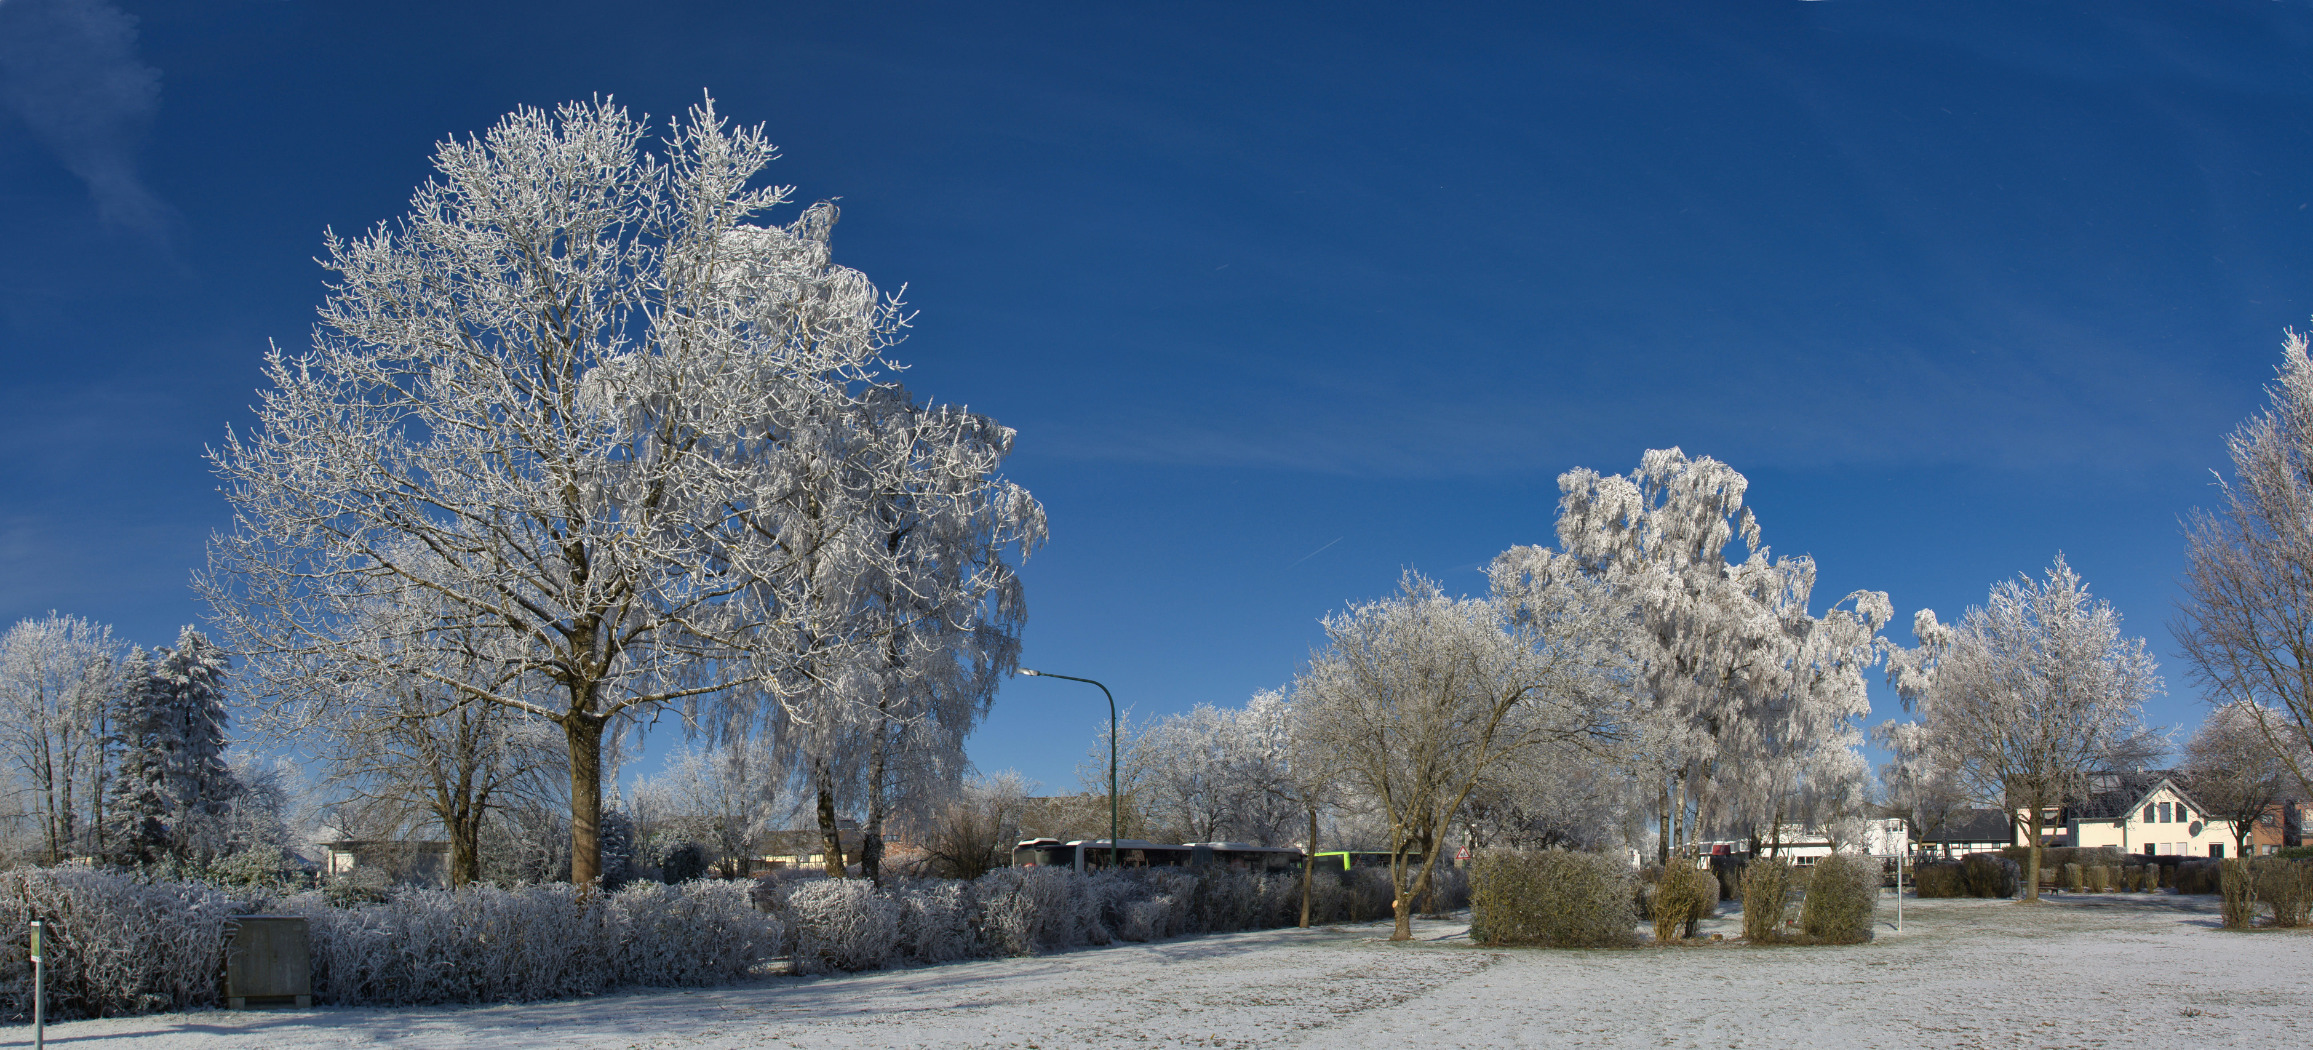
2164,814
2150,814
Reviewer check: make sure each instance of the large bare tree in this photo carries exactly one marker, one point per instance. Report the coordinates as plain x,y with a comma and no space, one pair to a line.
558,399
2232,766
1422,695
2246,619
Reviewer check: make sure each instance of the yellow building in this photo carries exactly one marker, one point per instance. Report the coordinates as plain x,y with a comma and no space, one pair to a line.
2143,813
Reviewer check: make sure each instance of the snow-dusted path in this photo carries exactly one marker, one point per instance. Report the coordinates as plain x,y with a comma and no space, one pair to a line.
2135,972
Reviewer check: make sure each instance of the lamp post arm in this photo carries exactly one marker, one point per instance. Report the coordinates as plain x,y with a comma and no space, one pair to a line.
1113,849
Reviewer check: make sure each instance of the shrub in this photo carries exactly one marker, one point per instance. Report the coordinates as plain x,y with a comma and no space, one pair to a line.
683,863
843,924
1025,911
2075,877
1842,900
2295,853
2196,876
2240,892
2286,885
1551,899
1768,883
118,943
1991,875
1940,878
480,943
935,921
1686,896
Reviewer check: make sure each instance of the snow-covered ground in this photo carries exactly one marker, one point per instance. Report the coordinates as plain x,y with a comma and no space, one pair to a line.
2120,971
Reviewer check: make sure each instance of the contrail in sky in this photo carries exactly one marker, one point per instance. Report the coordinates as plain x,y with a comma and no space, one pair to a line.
1314,553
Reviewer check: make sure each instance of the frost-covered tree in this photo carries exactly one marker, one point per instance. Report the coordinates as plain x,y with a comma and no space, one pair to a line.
720,797
1747,698
58,679
573,377
1422,695
2246,620
2232,766
2029,695
1916,780
172,780
1213,774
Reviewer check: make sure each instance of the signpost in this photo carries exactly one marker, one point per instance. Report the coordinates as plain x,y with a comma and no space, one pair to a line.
39,991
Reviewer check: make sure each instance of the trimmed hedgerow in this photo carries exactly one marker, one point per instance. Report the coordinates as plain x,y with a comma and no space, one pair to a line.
2197,876
1551,899
1842,900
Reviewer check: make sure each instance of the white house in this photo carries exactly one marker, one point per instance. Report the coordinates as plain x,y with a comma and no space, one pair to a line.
2143,813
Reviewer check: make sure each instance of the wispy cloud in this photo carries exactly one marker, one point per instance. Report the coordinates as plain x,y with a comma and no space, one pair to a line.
69,71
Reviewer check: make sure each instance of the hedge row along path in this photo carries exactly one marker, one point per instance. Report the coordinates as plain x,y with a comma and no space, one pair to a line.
2085,970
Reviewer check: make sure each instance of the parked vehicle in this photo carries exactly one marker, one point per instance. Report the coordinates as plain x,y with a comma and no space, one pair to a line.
1093,855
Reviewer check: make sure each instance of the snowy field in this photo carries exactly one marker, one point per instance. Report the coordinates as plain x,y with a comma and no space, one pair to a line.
2080,971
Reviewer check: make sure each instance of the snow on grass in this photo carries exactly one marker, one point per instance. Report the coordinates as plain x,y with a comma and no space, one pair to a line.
2085,970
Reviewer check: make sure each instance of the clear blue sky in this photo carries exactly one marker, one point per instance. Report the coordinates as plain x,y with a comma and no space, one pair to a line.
1282,299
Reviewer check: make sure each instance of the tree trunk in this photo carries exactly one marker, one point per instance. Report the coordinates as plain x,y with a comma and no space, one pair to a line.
1309,868
583,733
830,836
1662,826
871,843
2032,875
1403,906
465,851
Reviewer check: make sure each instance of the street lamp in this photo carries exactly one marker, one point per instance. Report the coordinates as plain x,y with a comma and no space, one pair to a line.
1113,864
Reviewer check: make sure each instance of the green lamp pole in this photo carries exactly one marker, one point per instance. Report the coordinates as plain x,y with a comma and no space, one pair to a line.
1113,864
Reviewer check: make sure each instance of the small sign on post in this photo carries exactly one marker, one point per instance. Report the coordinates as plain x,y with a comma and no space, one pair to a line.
39,990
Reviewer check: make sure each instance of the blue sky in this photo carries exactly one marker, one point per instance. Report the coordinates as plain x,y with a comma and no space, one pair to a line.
1281,298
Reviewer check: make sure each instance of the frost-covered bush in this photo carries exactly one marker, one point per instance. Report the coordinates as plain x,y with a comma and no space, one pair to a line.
1842,900
1027,911
1684,897
936,921
843,924
119,944
1552,899
1768,883
480,943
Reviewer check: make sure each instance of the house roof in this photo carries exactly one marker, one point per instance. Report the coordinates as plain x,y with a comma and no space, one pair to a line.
1971,825
2128,794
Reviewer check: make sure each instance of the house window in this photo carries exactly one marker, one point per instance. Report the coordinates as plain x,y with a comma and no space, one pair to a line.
2148,813
2164,814
2269,820
2217,850
2150,849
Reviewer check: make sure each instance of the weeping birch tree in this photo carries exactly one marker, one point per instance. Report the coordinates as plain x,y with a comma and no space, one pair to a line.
1747,699
544,400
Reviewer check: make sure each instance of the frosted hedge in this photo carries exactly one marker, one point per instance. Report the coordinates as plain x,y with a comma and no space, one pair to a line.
126,944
